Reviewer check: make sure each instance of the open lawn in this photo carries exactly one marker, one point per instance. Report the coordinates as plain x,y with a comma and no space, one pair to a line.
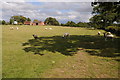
83,55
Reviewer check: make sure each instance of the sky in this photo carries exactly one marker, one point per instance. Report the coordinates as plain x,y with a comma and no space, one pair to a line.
63,11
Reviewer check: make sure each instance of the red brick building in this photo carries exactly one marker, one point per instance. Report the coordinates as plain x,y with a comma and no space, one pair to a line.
38,23
34,23
27,23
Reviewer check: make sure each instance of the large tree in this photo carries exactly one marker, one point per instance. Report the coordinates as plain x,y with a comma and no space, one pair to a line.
0,22
105,13
11,21
19,19
35,20
70,23
28,19
82,24
3,22
51,21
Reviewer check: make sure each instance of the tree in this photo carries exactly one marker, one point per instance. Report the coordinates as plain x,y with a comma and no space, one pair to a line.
3,22
28,19
63,24
19,19
70,23
35,20
22,19
51,21
105,13
11,21
0,22
82,24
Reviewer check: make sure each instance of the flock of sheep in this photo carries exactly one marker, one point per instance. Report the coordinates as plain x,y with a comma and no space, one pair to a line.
107,35
48,28
12,28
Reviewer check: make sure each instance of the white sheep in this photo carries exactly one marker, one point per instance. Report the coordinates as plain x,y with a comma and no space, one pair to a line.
99,32
46,28
108,35
53,62
50,28
35,36
17,28
11,28
66,35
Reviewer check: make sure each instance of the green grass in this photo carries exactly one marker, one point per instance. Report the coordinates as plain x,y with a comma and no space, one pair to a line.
82,55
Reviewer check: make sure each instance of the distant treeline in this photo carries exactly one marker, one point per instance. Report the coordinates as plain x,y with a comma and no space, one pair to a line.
79,24
19,19
48,21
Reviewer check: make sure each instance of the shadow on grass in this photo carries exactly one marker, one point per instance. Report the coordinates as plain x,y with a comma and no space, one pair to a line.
94,45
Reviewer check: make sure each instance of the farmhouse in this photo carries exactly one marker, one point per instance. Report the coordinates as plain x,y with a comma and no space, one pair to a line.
34,23
38,23
27,23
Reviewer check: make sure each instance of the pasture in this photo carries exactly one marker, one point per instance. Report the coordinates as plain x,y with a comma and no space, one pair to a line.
82,55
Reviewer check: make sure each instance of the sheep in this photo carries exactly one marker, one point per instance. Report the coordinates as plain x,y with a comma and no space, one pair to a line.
92,28
35,36
66,35
50,28
53,62
99,32
46,28
17,28
108,35
11,28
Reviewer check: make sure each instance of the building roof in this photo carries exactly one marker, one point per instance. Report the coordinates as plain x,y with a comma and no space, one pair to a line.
27,22
37,21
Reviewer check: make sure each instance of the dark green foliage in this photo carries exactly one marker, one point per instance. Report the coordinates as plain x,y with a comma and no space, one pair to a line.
105,13
0,22
51,21
28,19
70,23
62,24
19,19
3,22
113,29
73,24
35,20
11,21
82,24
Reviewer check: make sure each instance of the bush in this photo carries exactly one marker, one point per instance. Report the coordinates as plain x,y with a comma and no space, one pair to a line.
113,29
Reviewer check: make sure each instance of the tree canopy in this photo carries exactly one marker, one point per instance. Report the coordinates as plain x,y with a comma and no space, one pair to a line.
35,20
11,21
20,19
51,21
70,23
3,22
105,14
0,22
73,24
28,19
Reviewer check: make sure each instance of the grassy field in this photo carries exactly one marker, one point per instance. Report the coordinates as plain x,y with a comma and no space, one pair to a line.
83,55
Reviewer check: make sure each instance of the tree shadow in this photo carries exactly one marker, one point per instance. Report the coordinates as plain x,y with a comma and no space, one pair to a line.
94,45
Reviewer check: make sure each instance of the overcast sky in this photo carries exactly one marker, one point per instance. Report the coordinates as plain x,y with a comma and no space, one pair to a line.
72,10
62,10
